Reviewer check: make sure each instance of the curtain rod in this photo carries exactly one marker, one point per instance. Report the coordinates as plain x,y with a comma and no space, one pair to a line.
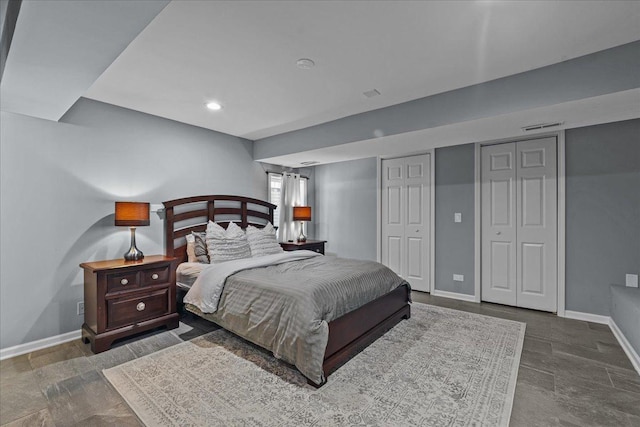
282,173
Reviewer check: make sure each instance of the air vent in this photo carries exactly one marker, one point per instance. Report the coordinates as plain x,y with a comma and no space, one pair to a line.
371,93
541,126
313,162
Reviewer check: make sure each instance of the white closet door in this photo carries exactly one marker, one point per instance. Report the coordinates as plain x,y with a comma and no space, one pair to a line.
406,196
537,232
499,223
418,196
393,215
519,224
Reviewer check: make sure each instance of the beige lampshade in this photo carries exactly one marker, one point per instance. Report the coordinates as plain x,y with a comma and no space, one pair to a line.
132,214
302,213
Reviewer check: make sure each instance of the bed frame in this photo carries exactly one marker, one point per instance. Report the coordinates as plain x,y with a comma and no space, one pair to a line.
348,334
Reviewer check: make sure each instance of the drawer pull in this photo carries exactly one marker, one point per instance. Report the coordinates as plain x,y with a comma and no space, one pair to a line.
124,281
140,306
154,276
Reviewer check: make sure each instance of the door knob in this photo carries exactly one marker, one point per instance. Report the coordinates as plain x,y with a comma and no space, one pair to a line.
498,233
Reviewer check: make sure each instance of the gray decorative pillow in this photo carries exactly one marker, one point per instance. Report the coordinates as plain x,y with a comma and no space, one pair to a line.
263,241
197,248
200,247
226,245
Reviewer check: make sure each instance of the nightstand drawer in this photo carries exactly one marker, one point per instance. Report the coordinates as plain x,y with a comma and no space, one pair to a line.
309,245
154,276
122,281
316,247
132,309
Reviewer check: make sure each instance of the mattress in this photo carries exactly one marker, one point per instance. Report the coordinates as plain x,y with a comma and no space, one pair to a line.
187,273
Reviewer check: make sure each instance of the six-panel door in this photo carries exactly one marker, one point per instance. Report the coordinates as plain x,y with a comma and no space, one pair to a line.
519,224
405,218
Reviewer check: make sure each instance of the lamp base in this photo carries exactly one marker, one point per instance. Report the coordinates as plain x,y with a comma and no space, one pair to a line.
302,238
133,254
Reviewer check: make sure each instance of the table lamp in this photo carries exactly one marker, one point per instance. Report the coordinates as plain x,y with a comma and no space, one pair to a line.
302,213
132,214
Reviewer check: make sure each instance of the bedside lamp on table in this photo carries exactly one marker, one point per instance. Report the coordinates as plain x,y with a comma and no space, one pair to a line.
132,214
302,213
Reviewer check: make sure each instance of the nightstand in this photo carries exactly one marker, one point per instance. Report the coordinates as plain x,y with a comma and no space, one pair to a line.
122,298
310,245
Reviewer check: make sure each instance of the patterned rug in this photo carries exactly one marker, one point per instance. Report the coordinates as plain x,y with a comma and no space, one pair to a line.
442,367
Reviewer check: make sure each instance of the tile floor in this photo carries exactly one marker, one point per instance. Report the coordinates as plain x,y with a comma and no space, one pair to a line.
572,373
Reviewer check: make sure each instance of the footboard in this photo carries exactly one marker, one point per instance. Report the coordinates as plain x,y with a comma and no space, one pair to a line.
351,333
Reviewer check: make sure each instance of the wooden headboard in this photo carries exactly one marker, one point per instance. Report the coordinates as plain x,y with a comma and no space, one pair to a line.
182,216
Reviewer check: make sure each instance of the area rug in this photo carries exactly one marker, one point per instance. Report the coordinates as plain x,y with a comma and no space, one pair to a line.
442,367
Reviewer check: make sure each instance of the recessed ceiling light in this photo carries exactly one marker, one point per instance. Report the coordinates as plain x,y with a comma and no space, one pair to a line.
214,106
305,63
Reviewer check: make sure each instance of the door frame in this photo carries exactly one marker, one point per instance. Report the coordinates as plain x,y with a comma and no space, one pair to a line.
432,216
561,165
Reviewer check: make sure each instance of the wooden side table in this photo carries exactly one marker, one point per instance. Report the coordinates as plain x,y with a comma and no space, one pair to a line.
122,298
310,245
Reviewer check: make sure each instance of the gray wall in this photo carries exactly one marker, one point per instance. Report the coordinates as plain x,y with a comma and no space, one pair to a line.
454,242
346,205
603,212
58,184
603,72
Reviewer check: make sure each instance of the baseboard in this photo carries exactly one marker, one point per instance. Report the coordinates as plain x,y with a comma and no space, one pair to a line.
606,320
453,295
587,317
25,348
626,345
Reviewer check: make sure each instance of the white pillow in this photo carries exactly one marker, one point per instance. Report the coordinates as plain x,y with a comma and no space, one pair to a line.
226,245
263,241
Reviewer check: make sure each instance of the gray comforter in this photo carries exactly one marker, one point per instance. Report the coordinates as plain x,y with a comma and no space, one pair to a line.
286,307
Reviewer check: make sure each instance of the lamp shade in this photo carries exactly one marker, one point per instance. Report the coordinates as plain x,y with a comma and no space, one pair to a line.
132,214
302,213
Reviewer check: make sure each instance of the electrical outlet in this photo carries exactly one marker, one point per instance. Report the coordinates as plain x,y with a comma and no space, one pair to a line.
458,278
632,280
80,308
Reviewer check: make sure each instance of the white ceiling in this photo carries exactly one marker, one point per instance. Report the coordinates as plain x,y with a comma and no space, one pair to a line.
61,47
243,54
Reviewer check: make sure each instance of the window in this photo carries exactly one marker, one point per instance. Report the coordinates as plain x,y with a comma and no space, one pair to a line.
275,190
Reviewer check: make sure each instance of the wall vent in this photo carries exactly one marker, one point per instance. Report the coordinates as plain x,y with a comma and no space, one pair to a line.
541,126
371,93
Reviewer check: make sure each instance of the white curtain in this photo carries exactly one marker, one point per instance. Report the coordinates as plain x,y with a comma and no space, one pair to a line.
290,196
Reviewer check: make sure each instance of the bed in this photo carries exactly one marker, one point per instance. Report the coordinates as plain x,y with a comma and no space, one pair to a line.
348,333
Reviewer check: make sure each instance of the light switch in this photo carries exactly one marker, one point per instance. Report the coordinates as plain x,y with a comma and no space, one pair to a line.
457,217
632,280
